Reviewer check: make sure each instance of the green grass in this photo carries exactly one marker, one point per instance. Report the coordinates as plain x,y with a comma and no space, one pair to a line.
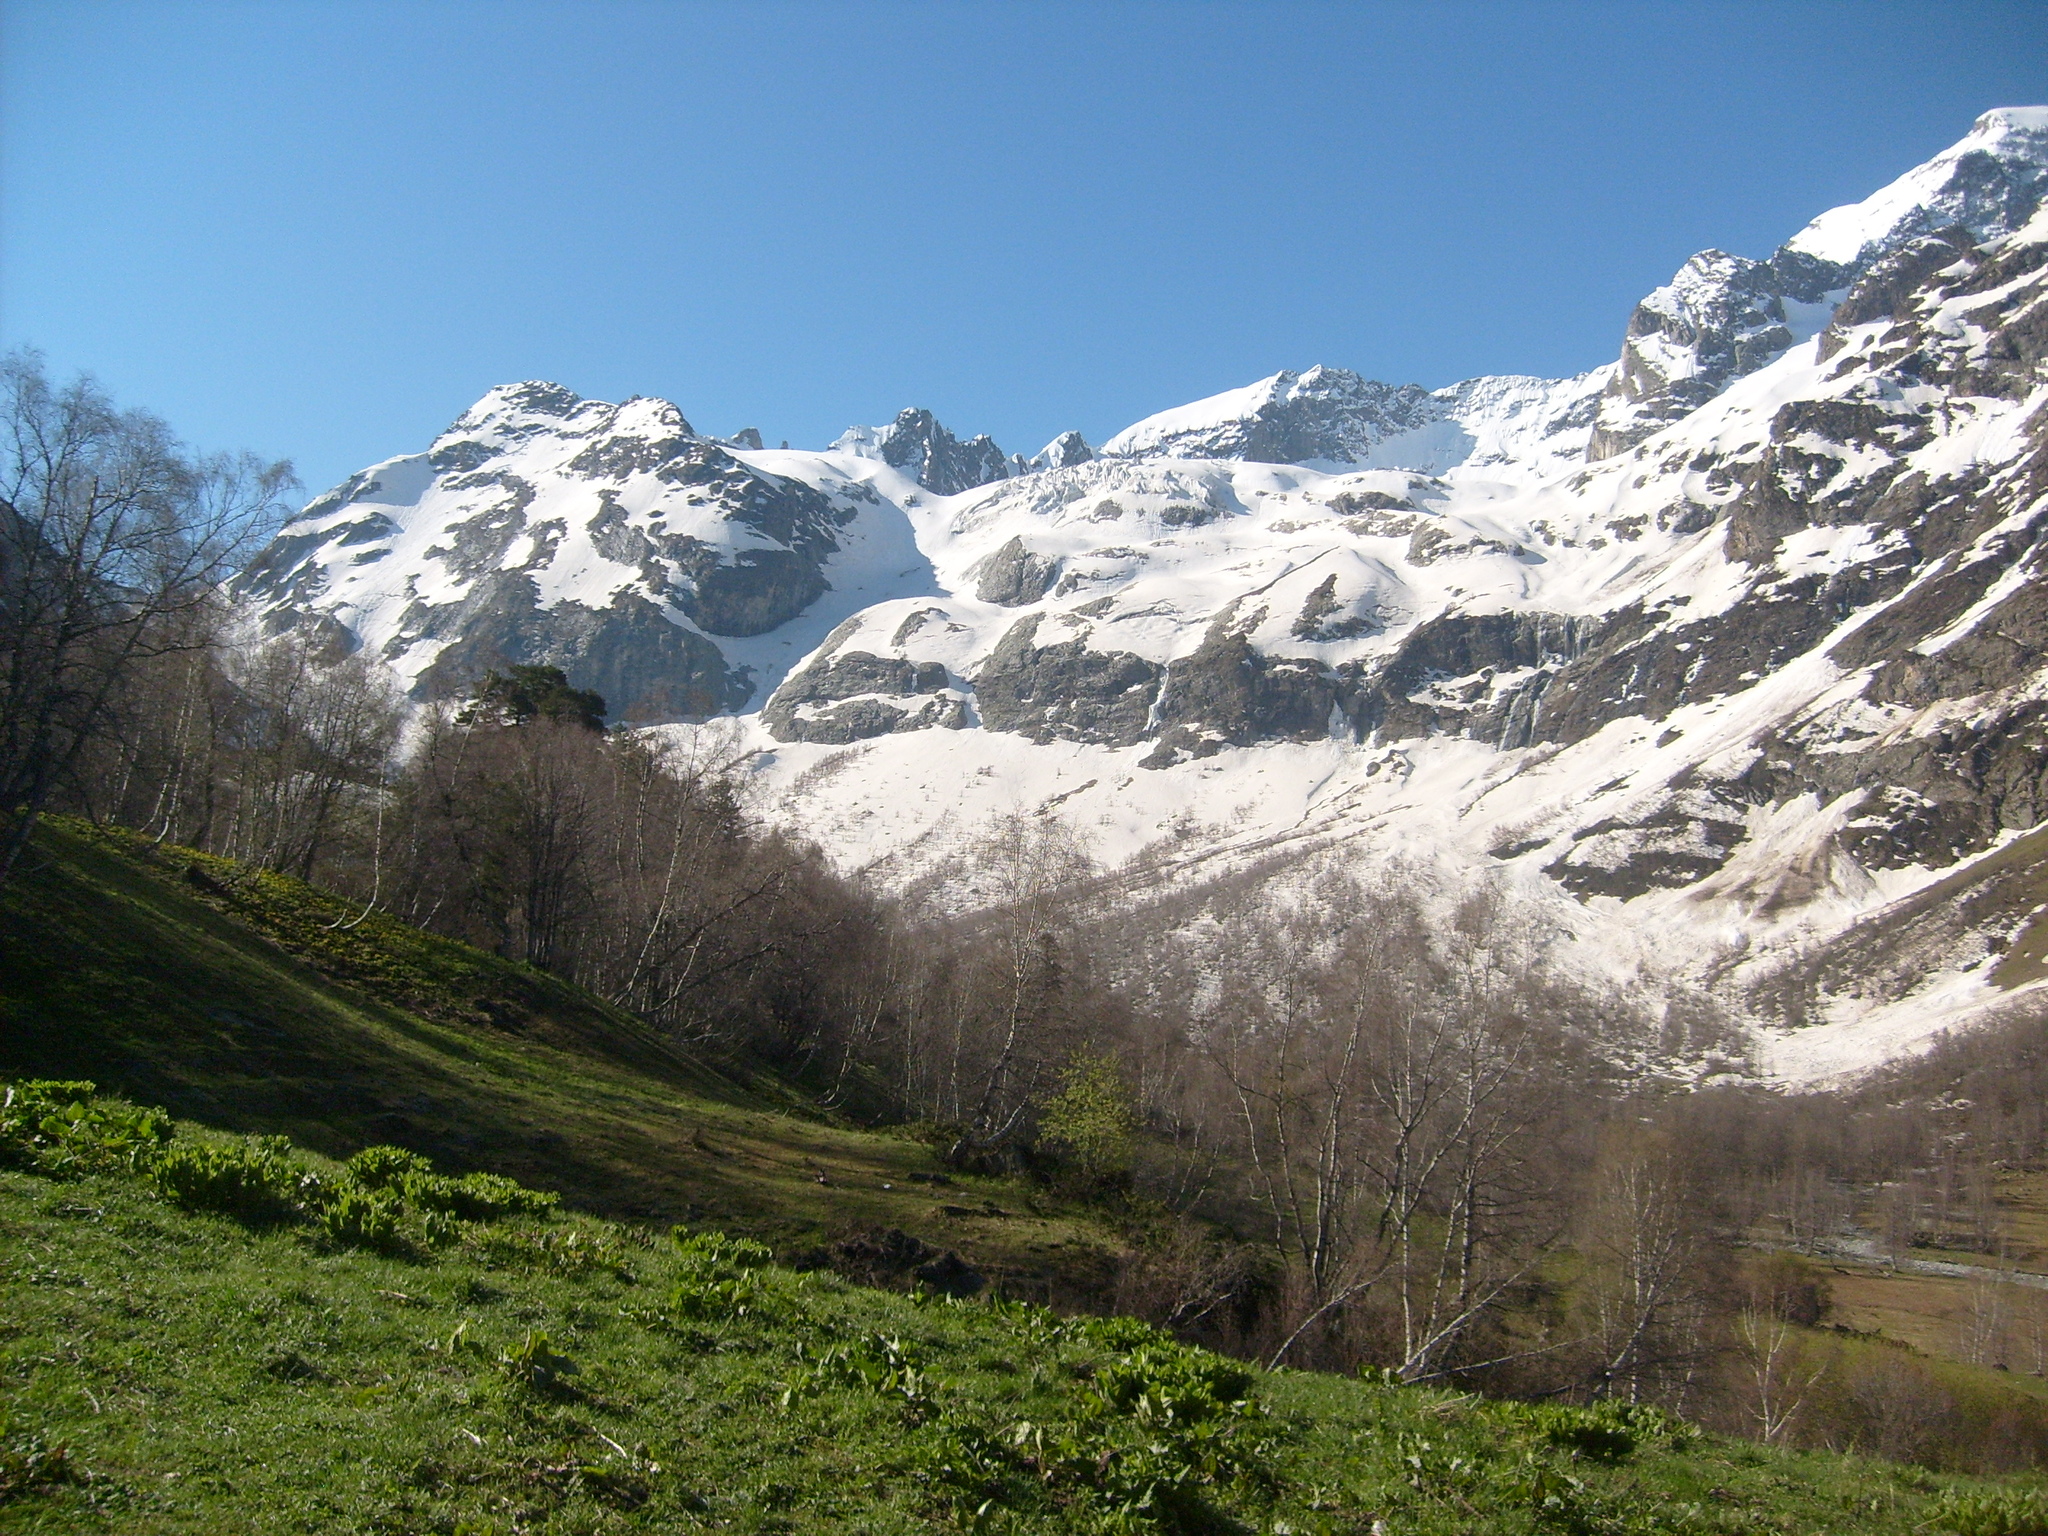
170,1370
244,1001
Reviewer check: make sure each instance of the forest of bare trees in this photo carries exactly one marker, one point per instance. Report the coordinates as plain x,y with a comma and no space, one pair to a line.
1345,1131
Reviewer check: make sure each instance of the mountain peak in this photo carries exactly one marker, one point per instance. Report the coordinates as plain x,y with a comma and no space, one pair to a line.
1063,452
918,444
1321,414
1990,181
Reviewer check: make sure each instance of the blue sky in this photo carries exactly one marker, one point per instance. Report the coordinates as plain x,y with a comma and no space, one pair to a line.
321,230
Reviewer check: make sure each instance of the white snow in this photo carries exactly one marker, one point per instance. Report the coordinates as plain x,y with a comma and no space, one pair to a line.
1843,234
1486,506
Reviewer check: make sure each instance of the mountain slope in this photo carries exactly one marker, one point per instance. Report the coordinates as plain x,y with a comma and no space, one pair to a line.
242,1001
1706,656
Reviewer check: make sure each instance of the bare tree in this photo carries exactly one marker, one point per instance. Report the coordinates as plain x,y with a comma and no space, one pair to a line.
314,730
1386,1095
1775,1374
111,533
1643,1233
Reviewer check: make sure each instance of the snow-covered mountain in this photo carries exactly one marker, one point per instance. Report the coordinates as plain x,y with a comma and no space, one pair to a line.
1726,664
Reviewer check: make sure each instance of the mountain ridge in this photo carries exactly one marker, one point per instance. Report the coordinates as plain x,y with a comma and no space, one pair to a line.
1738,638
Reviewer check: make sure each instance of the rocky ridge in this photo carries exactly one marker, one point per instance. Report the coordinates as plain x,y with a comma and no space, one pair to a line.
1740,638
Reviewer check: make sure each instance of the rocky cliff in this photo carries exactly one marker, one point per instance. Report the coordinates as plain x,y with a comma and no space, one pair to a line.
1719,659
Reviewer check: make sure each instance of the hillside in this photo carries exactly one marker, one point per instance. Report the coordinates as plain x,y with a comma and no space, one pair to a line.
253,1003
202,1335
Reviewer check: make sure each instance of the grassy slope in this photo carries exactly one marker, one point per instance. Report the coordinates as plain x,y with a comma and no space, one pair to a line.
200,1376
232,1002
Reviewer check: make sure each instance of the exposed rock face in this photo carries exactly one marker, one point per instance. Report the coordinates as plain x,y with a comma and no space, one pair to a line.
646,667
853,695
1723,317
1720,318
1014,576
610,540
924,450
1065,690
1225,694
1063,452
1325,413
1475,675
1743,659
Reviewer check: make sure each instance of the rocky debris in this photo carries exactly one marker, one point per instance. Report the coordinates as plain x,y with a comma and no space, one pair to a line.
1319,617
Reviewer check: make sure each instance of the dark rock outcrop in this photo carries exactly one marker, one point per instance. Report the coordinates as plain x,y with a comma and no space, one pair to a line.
1064,451
1225,693
1065,691
647,667
1724,316
1014,577
918,445
853,695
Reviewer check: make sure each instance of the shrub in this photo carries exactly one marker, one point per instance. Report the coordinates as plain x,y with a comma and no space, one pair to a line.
480,1196
1993,1514
473,1197
62,1128
1119,1334
1609,1430
1092,1120
252,1179
716,1256
575,1251
720,1278
385,1167
1173,1385
365,1218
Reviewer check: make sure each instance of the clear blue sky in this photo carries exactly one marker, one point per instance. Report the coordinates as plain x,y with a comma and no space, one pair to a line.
320,230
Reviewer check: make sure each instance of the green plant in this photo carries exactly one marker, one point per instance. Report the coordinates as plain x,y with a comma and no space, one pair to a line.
574,1251
1092,1119
472,1197
2005,1513
60,1128
365,1218
1610,1430
535,1363
252,1179
385,1167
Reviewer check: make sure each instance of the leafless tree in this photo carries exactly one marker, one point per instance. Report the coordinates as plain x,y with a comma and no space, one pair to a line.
1777,1374
1647,1243
111,534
